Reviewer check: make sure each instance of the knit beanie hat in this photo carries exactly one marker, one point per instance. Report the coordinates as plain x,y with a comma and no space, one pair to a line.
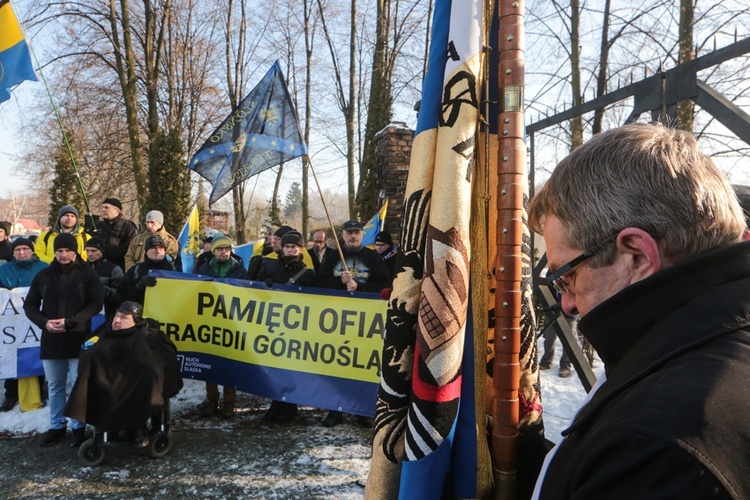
220,241
155,215
22,242
66,240
114,202
154,241
67,209
282,231
384,237
292,237
95,242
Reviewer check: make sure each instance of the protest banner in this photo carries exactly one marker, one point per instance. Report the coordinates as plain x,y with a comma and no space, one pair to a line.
19,350
307,346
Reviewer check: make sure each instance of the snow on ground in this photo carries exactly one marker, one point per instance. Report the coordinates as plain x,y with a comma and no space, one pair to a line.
561,398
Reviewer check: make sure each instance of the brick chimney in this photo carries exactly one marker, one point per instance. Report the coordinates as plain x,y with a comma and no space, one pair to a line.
392,152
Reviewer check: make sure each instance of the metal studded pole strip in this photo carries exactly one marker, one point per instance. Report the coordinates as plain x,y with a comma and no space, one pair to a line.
510,198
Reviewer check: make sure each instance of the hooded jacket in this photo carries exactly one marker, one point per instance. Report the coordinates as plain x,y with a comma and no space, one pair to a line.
45,244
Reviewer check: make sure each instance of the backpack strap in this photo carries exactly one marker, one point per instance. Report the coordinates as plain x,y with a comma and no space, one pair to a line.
294,278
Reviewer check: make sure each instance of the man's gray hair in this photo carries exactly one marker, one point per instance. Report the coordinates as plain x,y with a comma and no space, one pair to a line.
646,176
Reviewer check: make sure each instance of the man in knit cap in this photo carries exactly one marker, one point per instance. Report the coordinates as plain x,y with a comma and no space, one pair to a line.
288,270
67,223
389,252
137,278
116,231
61,301
256,261
16,274
222,265
154,225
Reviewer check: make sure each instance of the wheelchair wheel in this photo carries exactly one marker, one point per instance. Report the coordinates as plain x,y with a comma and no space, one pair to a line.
92,452
160,444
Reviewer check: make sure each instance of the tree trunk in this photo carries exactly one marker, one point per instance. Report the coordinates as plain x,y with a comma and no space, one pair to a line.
349,113
576,124
686,108
601,77
125,63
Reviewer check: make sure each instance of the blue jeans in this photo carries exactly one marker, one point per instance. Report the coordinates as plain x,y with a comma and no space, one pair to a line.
57,372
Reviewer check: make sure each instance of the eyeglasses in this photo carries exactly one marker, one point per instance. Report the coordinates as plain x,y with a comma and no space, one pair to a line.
556,279
319,241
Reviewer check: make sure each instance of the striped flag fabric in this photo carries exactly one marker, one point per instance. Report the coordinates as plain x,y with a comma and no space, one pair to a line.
426,434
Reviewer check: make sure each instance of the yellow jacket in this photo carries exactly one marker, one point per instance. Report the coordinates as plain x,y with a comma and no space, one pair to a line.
45,245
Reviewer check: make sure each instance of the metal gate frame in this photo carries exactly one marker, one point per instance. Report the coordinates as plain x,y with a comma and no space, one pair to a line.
658,94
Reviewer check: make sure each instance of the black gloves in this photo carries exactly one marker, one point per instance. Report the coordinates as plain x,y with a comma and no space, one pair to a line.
144,282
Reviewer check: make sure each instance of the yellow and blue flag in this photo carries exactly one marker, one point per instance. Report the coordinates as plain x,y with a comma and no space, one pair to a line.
190,240
374,226
15,61
260,134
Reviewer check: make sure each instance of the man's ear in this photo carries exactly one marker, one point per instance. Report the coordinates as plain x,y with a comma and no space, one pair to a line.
641,251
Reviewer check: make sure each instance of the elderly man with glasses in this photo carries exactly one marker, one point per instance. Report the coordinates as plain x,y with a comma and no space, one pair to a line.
644,242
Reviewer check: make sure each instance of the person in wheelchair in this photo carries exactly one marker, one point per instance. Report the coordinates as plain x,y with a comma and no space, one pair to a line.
127,372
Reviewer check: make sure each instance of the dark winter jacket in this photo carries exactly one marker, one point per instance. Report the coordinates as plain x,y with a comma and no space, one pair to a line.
20,273
365,265
111,277
233,268
124,377
117,234
6,251
72,292
316,259
275,271
391,258
133,286
671,420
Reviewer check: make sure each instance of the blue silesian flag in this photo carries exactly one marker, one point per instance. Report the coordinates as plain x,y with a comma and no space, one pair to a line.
15,62
261,133
247,250
374,226
190,241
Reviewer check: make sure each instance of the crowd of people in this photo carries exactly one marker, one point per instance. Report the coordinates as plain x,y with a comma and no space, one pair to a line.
647,245
74,274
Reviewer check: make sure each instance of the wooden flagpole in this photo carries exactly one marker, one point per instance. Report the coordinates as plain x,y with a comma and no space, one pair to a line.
328,215
508,297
